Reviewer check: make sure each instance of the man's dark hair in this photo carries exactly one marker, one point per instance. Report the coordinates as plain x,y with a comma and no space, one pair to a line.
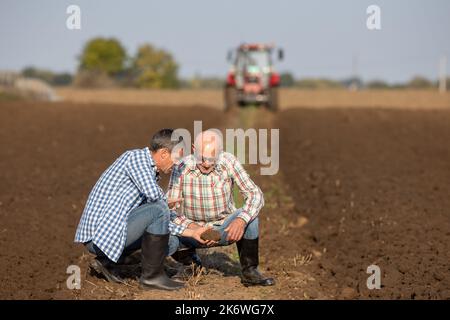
163,139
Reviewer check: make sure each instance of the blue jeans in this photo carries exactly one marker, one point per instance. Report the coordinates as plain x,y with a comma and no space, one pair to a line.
152,217
251,232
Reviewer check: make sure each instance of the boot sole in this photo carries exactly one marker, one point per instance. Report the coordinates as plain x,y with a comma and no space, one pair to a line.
261,284
101,270
155,287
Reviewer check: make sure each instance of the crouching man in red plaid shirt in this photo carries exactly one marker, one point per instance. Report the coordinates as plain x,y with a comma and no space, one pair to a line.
201,191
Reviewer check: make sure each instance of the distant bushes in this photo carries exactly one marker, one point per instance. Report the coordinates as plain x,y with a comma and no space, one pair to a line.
93,79
377,84
318,84
52,78
288,81
420,83
417,82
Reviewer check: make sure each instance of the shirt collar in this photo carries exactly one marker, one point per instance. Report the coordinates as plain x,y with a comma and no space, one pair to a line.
189,165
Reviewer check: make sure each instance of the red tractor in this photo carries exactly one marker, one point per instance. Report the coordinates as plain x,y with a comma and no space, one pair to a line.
252,78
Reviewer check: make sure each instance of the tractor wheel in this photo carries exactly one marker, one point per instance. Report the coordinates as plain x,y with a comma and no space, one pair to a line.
272,102
230,98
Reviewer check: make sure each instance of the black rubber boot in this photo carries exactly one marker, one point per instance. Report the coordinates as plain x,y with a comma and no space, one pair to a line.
248,256
153,276
191,264
104,267
187,257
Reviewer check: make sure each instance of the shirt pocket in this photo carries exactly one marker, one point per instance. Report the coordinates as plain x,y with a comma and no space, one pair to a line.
221,184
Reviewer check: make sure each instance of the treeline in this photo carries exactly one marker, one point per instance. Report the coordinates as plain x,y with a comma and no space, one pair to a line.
417,82
104,62
52,78
148,80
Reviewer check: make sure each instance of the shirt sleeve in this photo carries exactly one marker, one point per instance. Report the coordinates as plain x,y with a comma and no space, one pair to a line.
175,229
181,220
140,170
253,196
175,192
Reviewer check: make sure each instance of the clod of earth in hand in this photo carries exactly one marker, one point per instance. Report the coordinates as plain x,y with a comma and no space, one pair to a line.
210,234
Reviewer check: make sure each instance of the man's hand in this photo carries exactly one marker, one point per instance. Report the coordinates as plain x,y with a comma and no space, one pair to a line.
174,203
196,233
235,230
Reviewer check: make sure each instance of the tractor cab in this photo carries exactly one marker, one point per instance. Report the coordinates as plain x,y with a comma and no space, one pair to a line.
252,78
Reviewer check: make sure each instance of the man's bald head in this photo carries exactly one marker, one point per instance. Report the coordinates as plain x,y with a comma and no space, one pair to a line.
207,148
208,143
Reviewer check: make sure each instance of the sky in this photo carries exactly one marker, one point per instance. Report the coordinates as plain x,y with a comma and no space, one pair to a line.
320,38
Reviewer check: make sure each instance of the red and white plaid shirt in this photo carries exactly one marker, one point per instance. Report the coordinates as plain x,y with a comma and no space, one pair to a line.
208,198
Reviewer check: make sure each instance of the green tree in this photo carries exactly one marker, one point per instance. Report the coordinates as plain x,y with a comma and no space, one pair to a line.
103,55
155,68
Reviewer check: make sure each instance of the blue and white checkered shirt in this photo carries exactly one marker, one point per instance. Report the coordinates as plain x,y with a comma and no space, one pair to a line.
129,182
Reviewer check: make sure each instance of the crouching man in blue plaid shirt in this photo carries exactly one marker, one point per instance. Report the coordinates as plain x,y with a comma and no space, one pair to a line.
127,210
